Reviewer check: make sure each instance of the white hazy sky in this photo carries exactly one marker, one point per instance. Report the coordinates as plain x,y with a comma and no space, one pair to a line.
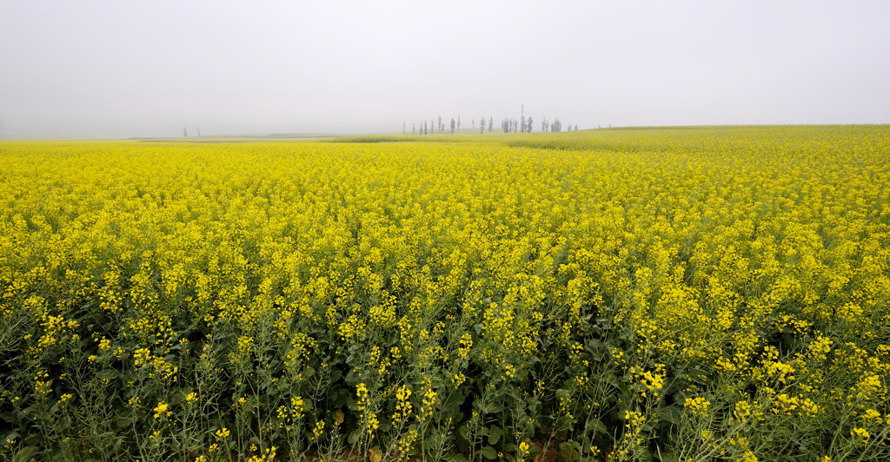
147,68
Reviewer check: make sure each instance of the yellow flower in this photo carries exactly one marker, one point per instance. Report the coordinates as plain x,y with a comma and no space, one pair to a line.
318,429
161,410
698,405
403,404
523,449
871,414
860,433
223,433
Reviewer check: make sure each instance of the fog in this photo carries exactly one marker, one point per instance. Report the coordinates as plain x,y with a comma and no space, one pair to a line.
138,68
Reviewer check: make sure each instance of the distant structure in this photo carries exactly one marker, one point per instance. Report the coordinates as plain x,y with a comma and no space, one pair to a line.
524,124
185,132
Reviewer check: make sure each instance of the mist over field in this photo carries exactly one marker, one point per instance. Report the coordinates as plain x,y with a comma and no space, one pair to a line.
121,69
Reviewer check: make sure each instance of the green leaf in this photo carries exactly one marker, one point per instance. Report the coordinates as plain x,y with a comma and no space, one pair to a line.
489,453
24,454
494,435
464,432
670,414
611,379
597,426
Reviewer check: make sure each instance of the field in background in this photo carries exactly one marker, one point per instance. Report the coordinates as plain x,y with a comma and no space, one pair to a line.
626,294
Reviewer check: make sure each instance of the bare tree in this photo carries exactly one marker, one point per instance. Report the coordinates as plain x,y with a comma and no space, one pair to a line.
490,123
522,119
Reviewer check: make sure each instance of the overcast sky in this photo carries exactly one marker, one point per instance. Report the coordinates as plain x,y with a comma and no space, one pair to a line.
149,68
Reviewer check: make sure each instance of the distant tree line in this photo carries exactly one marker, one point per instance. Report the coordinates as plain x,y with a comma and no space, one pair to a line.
523,124
185,132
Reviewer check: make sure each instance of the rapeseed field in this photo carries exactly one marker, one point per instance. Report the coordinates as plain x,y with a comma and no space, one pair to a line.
626,294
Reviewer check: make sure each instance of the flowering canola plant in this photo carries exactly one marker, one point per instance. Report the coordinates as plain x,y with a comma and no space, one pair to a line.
685,294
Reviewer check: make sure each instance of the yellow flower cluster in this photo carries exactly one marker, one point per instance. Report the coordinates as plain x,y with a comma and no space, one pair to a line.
477,294
697,405
162,410
403,405
370,423
649,383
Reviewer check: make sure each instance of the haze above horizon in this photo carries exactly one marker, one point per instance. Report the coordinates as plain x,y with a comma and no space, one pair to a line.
129,69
